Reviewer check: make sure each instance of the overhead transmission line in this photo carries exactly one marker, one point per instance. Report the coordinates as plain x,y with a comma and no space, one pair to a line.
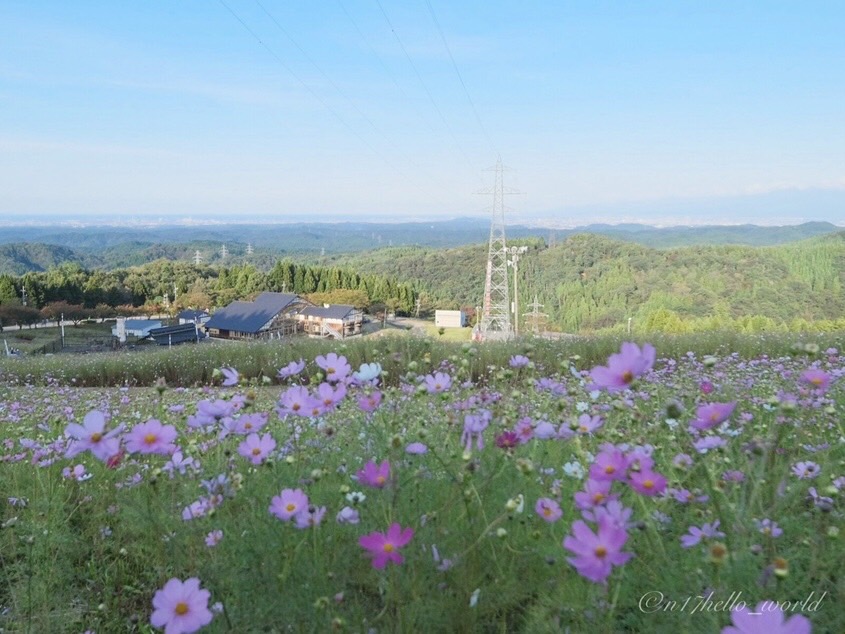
422,81
337,88
460,78
316,96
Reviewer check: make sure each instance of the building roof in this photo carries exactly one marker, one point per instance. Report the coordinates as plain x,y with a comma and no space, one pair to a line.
250,317
332,311
175,334
142,324
192,314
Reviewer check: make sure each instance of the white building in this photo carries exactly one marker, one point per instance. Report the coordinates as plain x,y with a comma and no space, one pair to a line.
450,318
133,328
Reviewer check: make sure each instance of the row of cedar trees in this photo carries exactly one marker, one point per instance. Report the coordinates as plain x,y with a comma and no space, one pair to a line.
80,294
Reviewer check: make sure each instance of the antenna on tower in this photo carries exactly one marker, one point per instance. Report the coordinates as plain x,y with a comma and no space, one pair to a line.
249,248
495,322
197,257
223,252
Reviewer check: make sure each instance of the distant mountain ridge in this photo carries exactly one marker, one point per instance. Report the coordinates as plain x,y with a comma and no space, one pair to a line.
25,249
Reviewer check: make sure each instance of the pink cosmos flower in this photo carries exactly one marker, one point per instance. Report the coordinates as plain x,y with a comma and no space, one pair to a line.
296,400
336,367
647,482
151,437
766,618
437,383
213,538
288,504
595,493
92,435
384,547
230,377
374,476
416,448
610,464
369,402
818,379
597,553
519,361
709,416
622,368
248,423
548,509
310,517
329,397
291,369
181,607
257,449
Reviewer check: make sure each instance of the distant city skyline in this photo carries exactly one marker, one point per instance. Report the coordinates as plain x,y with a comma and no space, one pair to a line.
657,112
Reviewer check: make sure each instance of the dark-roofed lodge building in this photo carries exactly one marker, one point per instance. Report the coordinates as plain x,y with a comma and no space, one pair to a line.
269,316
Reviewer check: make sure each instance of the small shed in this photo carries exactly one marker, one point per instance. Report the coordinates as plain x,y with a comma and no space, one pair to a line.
332,320
450,318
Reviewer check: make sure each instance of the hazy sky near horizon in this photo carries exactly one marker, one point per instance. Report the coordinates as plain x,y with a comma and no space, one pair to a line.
607,111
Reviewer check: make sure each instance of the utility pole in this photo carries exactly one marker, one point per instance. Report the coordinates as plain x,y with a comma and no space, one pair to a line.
249,248
62,325
197,257
515,253
223,252
495,319
417,303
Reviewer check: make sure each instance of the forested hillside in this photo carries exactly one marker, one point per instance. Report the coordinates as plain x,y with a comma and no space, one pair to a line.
589,283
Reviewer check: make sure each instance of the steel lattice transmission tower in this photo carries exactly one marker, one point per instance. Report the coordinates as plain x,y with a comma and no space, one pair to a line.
495,324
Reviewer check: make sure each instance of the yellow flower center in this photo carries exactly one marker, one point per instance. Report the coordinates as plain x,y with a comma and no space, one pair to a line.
600,551
247,425
290,508
816,381
388,547
96,436
330,371
582,429
627,376
150,439
648,484
547,511
296,407
609,469
256,451
597,498
381,479
181,608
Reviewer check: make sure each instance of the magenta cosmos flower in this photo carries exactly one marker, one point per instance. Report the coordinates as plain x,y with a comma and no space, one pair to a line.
291,369
622,368
181,607
384,547
288,504
708,416
767,618
92,435
374,476
151,437
257,449
597,553
548,509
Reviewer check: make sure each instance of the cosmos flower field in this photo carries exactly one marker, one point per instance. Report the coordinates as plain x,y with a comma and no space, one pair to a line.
641,493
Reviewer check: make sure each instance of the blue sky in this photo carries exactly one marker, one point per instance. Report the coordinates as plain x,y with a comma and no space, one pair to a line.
670,112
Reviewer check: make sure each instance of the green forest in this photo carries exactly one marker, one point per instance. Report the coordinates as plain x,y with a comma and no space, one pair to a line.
591,283
584,284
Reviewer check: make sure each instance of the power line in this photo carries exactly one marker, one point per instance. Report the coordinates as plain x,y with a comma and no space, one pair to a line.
422,81
331,82
316,96
460,77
